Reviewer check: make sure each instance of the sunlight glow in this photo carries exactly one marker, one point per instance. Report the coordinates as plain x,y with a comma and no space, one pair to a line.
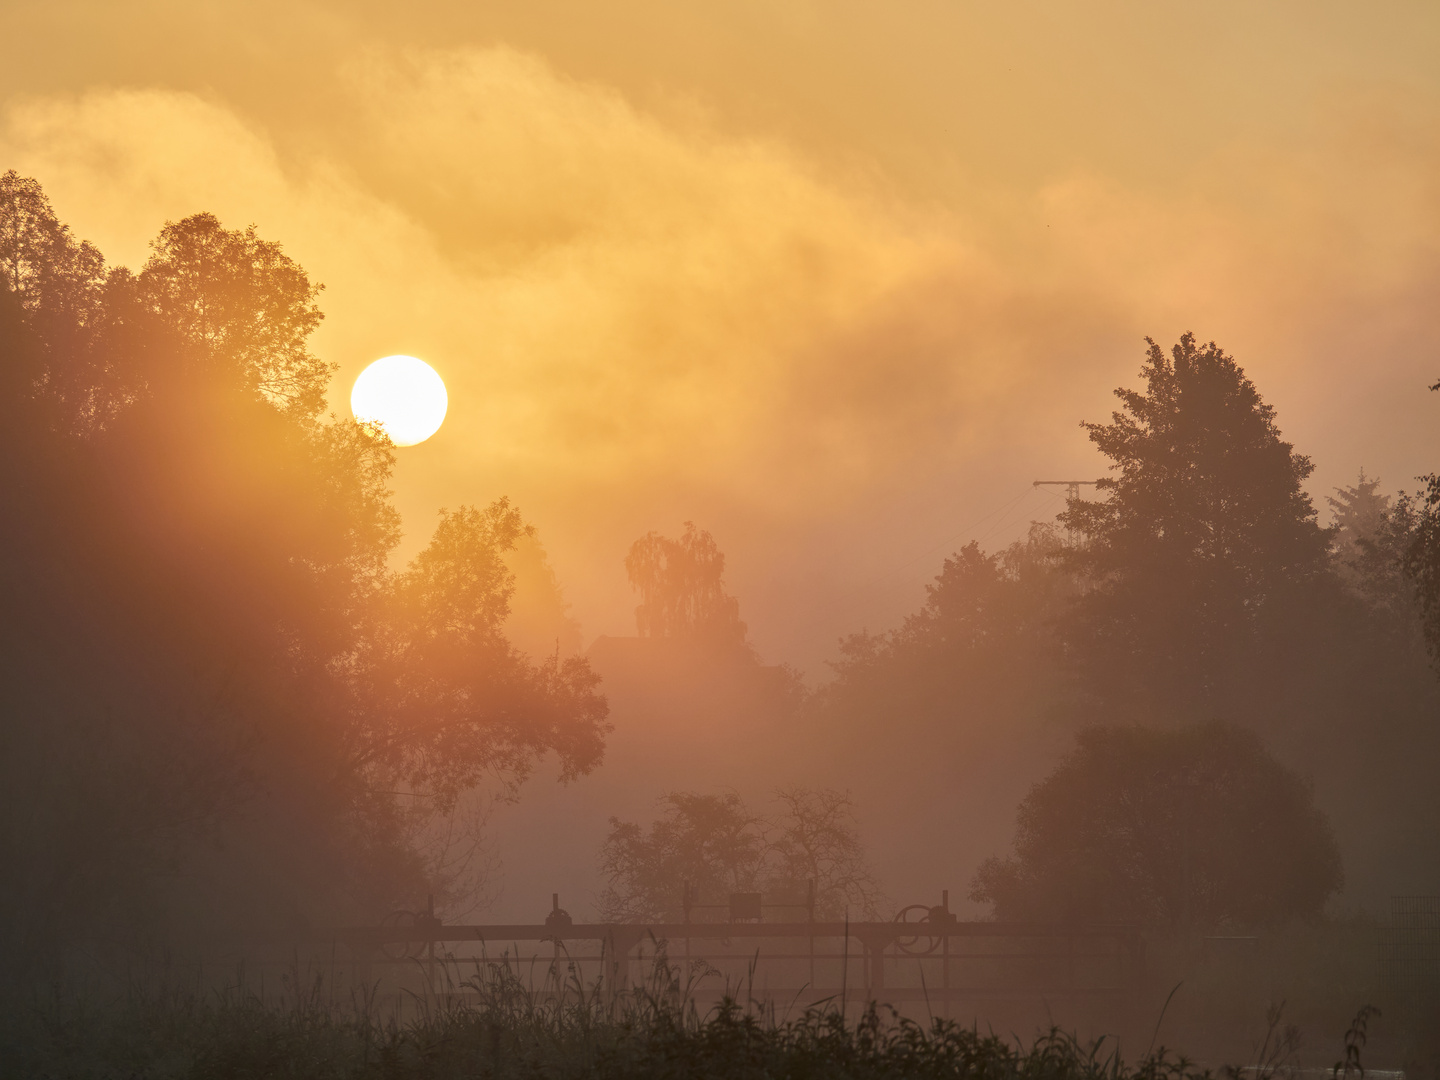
405,395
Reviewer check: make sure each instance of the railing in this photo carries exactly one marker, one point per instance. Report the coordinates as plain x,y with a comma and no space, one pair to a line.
941,961
1409,950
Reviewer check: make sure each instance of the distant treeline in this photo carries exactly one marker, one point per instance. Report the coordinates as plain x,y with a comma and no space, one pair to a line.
221,711
1192,640
1197,597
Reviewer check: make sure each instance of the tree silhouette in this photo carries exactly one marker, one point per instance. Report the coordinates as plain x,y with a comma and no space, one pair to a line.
215,690
681,587
977,663
815,840
1198,585
71,306
1420,557
715,845
1197,827
711,843
241,307
460,702
1204,536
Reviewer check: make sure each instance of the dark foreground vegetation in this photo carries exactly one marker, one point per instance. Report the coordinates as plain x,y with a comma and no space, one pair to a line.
500,1030
505,1017
220,709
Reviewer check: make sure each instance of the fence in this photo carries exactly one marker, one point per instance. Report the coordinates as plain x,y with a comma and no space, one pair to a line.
935,958
1410,949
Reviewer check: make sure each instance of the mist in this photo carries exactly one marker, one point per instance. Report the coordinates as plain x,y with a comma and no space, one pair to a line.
759,324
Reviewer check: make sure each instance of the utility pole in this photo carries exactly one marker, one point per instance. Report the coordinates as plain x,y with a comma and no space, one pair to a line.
1073,486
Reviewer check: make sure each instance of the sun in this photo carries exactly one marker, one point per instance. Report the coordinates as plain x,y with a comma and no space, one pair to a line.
403,394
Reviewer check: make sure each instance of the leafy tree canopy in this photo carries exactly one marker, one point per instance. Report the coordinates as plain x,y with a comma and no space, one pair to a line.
1196,827
1198,585
1420,557
682,589
241,307
715,845
1204,532
204,642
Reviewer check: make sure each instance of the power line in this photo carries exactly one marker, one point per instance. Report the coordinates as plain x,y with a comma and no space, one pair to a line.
1073,485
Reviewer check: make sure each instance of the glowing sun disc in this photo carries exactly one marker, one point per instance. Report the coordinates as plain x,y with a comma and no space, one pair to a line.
403,394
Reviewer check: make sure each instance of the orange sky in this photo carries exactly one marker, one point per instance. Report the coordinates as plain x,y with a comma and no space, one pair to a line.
835,280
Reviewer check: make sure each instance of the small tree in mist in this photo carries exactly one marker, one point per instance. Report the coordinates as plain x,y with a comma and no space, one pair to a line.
710,842
682,589
540,621
815,839
1420,556
985,623
1193,827
1361,514
1373,534
717,846
456,701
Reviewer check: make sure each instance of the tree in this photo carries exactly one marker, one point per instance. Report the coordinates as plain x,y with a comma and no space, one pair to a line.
459,701
682,589
540,621
976,663
220,705
240,307
716,846
1420,557
41,263
1195,827
73,309
1372,533
1205,536
1361,514
817,842
1416,525
711,843
980,611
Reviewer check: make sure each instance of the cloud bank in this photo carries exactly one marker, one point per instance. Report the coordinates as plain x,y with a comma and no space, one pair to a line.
644,318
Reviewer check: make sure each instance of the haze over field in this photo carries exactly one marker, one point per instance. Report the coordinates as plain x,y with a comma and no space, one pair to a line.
680,548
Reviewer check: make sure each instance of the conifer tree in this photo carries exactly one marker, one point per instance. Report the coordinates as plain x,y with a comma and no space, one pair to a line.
1198,542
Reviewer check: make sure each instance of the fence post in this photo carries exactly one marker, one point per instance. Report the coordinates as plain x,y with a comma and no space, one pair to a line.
875,952
945,954
810,921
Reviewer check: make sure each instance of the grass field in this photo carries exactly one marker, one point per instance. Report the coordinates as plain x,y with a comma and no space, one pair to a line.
496,1027
497,1024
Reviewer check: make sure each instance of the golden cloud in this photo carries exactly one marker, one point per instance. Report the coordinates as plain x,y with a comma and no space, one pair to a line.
639,314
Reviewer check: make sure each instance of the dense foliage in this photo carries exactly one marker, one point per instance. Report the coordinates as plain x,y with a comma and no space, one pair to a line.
713,845
1175,828
1198,588
1202,546
221,709
682,589
503,1032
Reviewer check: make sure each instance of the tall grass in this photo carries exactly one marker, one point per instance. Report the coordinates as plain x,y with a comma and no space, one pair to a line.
491,1025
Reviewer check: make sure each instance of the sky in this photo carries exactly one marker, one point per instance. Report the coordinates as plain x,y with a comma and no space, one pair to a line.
835,281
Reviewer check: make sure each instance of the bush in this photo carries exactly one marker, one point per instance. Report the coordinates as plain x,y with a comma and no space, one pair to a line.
1194,827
